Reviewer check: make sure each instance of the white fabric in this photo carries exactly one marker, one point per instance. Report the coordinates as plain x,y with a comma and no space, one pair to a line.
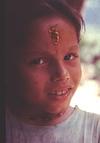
80,127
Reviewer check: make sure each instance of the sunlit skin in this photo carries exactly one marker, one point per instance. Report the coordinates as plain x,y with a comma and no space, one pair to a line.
39,68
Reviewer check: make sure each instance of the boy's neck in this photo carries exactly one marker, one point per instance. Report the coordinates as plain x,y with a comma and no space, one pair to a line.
43,118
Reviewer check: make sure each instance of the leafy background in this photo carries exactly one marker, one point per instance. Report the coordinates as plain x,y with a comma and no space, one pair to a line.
87,96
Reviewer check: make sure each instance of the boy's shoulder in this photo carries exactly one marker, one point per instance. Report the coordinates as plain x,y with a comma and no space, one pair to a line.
87,116
88,120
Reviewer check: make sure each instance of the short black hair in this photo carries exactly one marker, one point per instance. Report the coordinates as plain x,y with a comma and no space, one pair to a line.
22,12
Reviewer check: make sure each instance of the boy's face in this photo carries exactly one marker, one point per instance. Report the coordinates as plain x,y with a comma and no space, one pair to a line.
46,72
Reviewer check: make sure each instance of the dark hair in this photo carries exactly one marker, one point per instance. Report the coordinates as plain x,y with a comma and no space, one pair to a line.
22,12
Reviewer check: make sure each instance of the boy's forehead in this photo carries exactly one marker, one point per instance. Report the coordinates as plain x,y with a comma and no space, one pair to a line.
54,22
49,32
55,28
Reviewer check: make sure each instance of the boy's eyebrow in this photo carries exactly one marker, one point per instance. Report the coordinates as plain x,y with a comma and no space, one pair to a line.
35,51
74,47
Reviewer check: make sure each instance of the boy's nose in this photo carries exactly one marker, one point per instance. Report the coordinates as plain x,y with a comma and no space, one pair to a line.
60,72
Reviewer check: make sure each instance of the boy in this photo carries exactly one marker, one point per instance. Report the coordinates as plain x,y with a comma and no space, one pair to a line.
42,74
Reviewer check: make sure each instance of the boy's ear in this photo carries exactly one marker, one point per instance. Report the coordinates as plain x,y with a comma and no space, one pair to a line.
76,4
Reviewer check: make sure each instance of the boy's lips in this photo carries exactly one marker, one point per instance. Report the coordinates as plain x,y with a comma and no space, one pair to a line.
60,92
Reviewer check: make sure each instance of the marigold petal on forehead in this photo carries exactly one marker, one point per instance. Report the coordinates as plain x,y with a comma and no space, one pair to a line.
54,34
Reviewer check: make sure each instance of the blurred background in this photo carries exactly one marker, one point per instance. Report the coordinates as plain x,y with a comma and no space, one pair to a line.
87,97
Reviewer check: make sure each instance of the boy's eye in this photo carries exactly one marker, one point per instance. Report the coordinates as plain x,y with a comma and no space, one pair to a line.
69,57
39,61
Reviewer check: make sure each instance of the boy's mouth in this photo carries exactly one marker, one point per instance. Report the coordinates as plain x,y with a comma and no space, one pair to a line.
60,93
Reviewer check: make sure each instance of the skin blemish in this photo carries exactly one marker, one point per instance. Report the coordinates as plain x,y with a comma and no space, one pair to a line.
54,34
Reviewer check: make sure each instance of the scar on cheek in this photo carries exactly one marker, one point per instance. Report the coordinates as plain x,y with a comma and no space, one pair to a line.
54,34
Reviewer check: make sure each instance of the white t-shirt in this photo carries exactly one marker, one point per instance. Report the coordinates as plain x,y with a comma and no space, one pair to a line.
80,127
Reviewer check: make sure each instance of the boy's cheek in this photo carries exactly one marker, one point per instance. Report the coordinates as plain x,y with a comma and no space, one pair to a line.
30,80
